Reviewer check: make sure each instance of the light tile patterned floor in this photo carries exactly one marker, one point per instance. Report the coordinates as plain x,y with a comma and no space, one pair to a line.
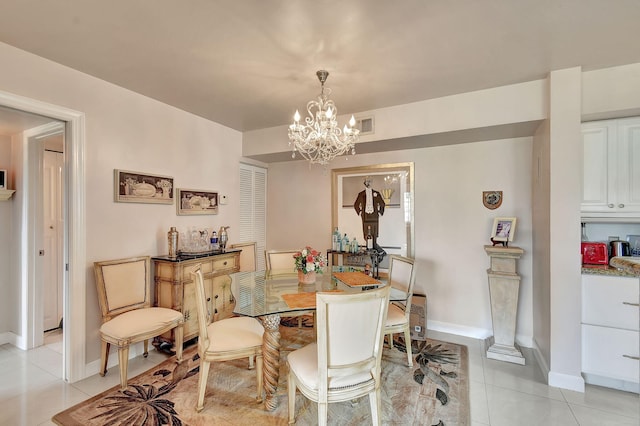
31,390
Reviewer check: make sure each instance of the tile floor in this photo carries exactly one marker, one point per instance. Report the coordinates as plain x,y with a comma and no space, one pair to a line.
31,390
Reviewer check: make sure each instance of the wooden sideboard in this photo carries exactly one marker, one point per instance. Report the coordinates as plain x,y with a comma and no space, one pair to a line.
175,288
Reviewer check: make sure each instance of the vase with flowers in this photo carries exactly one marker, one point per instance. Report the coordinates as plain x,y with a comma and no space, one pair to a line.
308,263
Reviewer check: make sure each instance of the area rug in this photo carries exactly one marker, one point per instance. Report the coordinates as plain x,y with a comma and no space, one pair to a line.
434,392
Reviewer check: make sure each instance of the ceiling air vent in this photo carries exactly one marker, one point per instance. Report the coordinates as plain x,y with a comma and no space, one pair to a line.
365,125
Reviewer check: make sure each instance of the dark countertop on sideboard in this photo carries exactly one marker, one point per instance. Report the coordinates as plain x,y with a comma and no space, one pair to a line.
182,257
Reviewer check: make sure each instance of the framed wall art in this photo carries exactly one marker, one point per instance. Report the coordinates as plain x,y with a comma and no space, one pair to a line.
137,187
391,182
195,201
504,229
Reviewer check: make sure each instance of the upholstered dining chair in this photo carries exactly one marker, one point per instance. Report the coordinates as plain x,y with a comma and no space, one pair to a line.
124,287
223,340
401,277
283,260
344,363
248,256
280,259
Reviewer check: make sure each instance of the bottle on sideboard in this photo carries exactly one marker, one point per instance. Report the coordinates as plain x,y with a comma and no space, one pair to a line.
369,238
335,238
344,243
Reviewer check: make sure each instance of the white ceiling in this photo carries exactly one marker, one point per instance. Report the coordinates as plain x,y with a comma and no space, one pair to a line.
249,64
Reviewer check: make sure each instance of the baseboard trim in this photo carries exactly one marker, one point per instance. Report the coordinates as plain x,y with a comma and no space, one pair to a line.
8,337
135,350
566,381
461,330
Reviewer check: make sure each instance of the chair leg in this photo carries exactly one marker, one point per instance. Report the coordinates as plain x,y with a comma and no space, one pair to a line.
202,383
375,403
123,360
104,357
292,397
300,322
179,334
407,344
251,367
146,348
259,365
390,337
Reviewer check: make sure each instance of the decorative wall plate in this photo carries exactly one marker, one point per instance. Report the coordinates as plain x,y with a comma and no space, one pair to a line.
492,199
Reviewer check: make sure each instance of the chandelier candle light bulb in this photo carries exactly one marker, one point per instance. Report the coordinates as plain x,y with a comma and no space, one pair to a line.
320,139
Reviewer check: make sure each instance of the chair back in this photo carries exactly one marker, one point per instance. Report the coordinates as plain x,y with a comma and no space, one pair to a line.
402,277
280,259
123,285
201,308
402,273
350,332
247,256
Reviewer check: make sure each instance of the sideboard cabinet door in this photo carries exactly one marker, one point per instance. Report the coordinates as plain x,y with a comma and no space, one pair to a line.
175,289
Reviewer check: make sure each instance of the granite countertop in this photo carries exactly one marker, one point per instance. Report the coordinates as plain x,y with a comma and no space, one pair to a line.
628,264
605,270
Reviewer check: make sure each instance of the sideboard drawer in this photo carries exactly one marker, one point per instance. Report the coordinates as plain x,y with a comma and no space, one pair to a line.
225,263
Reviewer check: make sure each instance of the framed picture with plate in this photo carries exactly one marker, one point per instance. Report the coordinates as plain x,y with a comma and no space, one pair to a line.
136,187
195,202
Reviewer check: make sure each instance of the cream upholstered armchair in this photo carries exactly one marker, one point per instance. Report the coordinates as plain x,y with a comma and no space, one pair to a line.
401,277
223,340
345,361
280,259
124,288
247,256
284,260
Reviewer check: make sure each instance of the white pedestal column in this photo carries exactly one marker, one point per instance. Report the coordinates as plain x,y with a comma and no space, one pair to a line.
504,285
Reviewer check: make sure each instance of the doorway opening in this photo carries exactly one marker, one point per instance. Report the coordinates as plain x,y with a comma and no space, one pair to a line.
30,327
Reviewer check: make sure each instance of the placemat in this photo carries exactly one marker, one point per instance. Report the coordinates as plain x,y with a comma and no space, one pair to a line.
303,300
356,278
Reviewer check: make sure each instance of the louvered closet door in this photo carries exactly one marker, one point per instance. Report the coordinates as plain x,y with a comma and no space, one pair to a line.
253,209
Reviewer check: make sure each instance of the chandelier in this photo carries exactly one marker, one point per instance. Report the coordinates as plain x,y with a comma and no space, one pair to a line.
320,139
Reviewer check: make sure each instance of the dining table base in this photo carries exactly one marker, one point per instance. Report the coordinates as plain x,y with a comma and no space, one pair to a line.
271,359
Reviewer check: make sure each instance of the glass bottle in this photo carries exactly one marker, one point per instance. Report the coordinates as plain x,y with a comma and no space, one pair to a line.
369,238
344,243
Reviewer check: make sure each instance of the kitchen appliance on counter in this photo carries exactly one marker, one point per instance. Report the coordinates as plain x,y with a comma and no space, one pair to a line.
619,248
594,253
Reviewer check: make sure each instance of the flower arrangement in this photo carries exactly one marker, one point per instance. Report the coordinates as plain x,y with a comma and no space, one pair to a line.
309,260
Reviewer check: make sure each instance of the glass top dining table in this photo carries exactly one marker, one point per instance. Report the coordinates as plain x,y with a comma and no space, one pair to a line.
266,294
261,293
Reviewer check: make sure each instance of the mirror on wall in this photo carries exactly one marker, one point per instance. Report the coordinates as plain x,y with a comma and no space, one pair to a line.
394,184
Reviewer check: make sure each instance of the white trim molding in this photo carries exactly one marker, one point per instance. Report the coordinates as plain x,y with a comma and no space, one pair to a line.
75,238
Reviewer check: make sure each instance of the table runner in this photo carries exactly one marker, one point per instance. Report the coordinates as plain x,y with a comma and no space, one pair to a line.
356,278
303,300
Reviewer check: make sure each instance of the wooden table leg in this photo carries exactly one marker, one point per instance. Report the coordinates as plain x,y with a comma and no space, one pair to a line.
271,357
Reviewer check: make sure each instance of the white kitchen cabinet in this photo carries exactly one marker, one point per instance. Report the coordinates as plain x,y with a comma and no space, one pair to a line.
611,331
611,168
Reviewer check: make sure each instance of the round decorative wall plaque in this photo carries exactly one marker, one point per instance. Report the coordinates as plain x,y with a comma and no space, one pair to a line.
492,199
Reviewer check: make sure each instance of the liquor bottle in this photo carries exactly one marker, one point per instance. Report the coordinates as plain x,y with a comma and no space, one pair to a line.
369,238
344,243
335,238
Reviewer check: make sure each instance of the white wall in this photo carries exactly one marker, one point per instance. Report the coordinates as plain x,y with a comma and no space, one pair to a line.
125,130
451,223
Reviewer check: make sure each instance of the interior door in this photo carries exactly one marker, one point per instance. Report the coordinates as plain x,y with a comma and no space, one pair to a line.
53,163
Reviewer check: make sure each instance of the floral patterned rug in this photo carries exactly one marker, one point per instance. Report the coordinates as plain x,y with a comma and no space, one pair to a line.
434,392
